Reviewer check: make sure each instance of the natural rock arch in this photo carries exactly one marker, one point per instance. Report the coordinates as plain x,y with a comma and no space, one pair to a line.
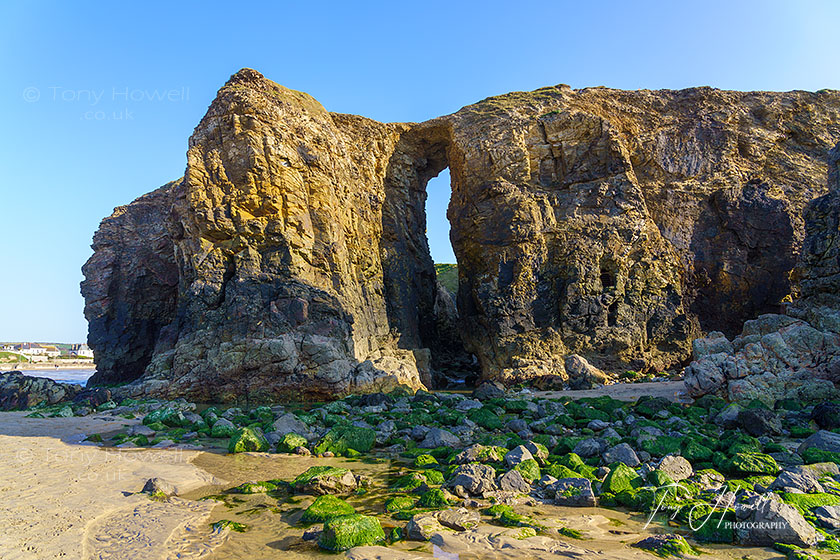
302,266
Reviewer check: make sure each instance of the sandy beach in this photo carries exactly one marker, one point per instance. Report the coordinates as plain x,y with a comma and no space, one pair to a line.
63,499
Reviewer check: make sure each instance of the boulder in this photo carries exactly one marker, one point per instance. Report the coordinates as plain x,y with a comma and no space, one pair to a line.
475,479
437,437
489,390
826,415
822,440
621,453
517,455
760,422
422,526
320,480
512,481
676,467
289,423
799,479
459,519
828,516
582,374
765,522
573,492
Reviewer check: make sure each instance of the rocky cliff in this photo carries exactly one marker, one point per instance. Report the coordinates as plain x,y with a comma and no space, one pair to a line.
796,355
612,224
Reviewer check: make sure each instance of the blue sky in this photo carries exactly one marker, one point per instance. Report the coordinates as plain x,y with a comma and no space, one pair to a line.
84,129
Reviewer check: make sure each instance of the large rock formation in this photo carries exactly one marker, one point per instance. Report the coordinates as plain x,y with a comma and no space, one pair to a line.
611,224
796,355
130,286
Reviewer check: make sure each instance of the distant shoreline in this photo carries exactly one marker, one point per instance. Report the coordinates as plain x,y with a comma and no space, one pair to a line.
14,366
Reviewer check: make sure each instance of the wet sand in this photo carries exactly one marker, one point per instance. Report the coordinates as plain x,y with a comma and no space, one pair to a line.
62,499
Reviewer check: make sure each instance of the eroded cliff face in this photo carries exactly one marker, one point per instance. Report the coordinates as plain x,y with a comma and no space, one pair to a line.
130,286
619,224
796,355
612,224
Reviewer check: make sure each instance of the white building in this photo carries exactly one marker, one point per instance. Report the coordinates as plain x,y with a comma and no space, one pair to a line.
31,349
81,351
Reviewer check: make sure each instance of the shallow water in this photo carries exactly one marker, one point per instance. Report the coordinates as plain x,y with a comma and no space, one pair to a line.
274,531
72,376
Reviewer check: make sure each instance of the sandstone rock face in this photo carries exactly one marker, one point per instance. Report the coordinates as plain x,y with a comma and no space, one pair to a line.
786,356
611,224
614,224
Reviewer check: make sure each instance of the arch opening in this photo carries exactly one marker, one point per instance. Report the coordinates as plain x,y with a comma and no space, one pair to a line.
452,366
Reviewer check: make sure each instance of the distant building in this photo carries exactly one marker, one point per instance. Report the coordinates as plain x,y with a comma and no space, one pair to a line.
81,351
51,351
31,349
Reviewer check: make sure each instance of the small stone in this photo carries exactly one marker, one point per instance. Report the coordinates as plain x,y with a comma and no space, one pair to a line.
158,485
459,519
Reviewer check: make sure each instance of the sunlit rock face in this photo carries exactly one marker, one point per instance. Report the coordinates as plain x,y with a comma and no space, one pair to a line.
615,225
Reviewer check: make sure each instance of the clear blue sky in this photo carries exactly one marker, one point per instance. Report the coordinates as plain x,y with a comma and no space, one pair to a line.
67,159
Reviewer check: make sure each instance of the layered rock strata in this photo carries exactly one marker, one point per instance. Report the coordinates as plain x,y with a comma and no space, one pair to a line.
611,224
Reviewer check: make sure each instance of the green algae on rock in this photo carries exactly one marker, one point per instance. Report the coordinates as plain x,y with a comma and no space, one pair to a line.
344,533
341,438
325,508
247,439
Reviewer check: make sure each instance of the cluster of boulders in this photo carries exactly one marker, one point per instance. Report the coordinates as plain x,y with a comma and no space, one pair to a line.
775,357
728,473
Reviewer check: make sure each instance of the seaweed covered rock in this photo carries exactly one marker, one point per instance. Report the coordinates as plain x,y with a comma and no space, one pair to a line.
667,546
247,439
19,391
343,533
325,480
325,508
341,438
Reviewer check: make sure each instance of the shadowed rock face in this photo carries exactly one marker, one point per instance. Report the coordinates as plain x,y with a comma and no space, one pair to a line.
130,286
796,355
605,223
